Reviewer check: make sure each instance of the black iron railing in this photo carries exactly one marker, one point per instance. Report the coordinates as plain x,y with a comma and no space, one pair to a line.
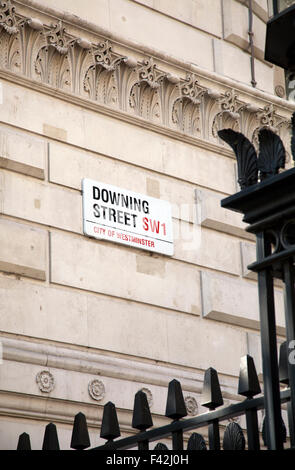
233,438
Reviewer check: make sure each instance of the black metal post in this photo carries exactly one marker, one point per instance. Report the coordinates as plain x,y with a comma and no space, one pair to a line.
269,346
289,298
213,435
177,440
252,430
143,445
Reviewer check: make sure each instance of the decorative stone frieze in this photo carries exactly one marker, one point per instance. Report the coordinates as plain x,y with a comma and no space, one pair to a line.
96,389
48,53
45,381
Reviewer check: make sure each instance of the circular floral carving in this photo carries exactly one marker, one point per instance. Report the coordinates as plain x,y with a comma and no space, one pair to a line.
45,381
149,396
96,389
280,91
191,405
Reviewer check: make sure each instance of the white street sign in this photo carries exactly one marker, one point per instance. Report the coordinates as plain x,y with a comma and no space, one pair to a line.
122,216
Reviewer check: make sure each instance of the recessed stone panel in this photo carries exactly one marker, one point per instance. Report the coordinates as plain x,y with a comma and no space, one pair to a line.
23,250
22,153
212,215
236,301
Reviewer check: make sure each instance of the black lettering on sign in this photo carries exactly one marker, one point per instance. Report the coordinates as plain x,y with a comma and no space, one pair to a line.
96,193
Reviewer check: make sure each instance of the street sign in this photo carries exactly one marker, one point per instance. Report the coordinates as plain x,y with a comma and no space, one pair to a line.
122,216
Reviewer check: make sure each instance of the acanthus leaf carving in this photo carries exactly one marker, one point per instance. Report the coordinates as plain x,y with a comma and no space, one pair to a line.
54,57
146,98
186,108
230,113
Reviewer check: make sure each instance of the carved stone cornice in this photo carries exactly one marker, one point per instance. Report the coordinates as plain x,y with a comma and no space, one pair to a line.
50,55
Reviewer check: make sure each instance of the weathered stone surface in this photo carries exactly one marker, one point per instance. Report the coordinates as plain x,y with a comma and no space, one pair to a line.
236,301
248,256
22,153
212,215
23,250
117,325
101,267
206,247
40,202
254,350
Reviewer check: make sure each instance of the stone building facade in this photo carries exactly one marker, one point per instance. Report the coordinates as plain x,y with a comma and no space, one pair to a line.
130,93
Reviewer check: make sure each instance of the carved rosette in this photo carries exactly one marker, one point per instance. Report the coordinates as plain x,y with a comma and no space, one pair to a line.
191,406
96,389
149,395
45,381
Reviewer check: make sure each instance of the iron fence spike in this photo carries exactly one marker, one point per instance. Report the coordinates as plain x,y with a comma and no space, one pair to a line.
50,441
175,407
248,380
212,397
80,436
24,442
142,418
109,426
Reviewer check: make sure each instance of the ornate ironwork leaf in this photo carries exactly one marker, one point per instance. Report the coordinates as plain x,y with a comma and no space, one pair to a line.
272,154
233,438
245,154
196,442
161,446
293,136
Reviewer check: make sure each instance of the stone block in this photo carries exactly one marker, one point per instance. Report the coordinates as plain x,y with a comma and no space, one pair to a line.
161,32
235,301
126,175
254,350
206,247
236,27
22,153
23,250
248,256
34,310
40,202
231,61
107,323
210,214
101,267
